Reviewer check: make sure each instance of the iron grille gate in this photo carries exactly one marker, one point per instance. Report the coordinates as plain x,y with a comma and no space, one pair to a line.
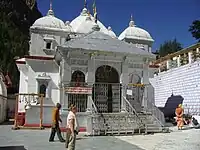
107,97
80,100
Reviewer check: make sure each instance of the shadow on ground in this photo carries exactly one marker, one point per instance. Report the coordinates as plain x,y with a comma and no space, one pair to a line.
7,123
12,148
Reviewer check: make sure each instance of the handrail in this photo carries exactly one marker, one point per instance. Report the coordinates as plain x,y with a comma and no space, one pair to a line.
93,105
156,113
132,110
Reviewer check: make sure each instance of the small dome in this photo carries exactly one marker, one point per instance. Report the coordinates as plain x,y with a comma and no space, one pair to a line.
111,33
49,22
83,17
86,26
68,27
133,32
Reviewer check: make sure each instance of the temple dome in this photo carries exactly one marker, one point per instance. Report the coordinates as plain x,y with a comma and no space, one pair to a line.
78,24
111,33
49,22
68,27
86,26
134,32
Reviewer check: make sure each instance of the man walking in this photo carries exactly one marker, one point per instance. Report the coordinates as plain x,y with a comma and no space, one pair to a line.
55,124
72,128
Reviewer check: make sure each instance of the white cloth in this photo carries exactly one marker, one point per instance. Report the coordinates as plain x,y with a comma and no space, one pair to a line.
71,116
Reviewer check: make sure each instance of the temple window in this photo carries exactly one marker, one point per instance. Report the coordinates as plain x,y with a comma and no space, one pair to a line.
42,89
78,78
48,45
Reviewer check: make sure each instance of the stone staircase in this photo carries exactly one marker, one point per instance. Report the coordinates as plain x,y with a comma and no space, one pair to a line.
129,121
152,124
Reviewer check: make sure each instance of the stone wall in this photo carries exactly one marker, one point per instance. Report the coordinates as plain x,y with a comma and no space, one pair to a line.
184,82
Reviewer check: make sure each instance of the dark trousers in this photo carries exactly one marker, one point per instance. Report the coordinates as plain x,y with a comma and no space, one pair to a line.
56,129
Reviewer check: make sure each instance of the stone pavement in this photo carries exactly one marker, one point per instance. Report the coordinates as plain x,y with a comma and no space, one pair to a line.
176,140
38,140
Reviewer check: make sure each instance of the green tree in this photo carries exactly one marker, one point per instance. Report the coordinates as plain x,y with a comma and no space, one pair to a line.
12,43
195,29
169,47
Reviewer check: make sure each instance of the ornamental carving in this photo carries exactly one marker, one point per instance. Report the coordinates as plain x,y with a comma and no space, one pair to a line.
79,62
135,65
83,69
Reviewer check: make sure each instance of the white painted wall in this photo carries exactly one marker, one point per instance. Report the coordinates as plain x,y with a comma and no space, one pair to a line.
184,81
52,92
3,101
37,43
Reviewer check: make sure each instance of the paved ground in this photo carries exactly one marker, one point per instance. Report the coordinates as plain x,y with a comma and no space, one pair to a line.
38,140
177,140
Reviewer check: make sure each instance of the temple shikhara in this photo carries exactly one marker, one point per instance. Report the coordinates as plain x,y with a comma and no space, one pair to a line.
82,62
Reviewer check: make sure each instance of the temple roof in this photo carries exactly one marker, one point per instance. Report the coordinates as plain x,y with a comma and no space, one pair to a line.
99,41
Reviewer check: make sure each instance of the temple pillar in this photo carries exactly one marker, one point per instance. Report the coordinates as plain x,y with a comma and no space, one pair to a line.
190,57
65,75
90,80
124,80
168,66
145,81
178,61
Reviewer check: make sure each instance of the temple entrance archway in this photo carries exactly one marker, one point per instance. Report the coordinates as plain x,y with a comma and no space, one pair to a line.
106,90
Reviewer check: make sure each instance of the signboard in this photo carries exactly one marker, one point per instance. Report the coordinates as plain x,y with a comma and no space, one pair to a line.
129,92
78,90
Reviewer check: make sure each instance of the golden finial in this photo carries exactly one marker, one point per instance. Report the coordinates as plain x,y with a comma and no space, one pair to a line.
88,12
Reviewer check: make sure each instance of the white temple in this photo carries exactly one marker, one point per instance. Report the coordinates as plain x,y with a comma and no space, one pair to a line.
84,63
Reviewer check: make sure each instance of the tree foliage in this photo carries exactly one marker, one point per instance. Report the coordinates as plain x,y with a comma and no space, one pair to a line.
12,43
195,29
169,47
15,20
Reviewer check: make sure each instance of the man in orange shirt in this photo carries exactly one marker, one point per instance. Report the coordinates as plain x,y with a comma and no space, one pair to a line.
55,124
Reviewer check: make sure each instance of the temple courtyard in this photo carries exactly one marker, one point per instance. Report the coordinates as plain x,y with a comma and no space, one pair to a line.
38,140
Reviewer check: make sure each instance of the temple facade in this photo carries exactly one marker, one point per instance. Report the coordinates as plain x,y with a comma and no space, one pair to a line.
84,63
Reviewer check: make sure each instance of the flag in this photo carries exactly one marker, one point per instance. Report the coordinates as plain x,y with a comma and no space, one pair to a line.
94,7
95,11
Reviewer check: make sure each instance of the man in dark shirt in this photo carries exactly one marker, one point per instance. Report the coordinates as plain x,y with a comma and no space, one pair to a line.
55,124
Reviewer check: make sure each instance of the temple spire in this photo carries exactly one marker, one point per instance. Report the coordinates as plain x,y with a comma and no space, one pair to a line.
85,3
131,23
50,8
50,12
131,17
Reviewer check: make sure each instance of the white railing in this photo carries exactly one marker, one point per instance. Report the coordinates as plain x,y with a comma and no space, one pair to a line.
156,113
91,105
129,108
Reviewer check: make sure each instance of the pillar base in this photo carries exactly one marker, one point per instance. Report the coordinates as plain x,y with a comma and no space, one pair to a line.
123,110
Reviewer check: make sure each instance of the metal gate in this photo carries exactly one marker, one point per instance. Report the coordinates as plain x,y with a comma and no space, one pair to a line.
80,100
107,97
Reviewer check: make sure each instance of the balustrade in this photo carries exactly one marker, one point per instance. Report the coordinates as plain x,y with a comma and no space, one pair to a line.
24,102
